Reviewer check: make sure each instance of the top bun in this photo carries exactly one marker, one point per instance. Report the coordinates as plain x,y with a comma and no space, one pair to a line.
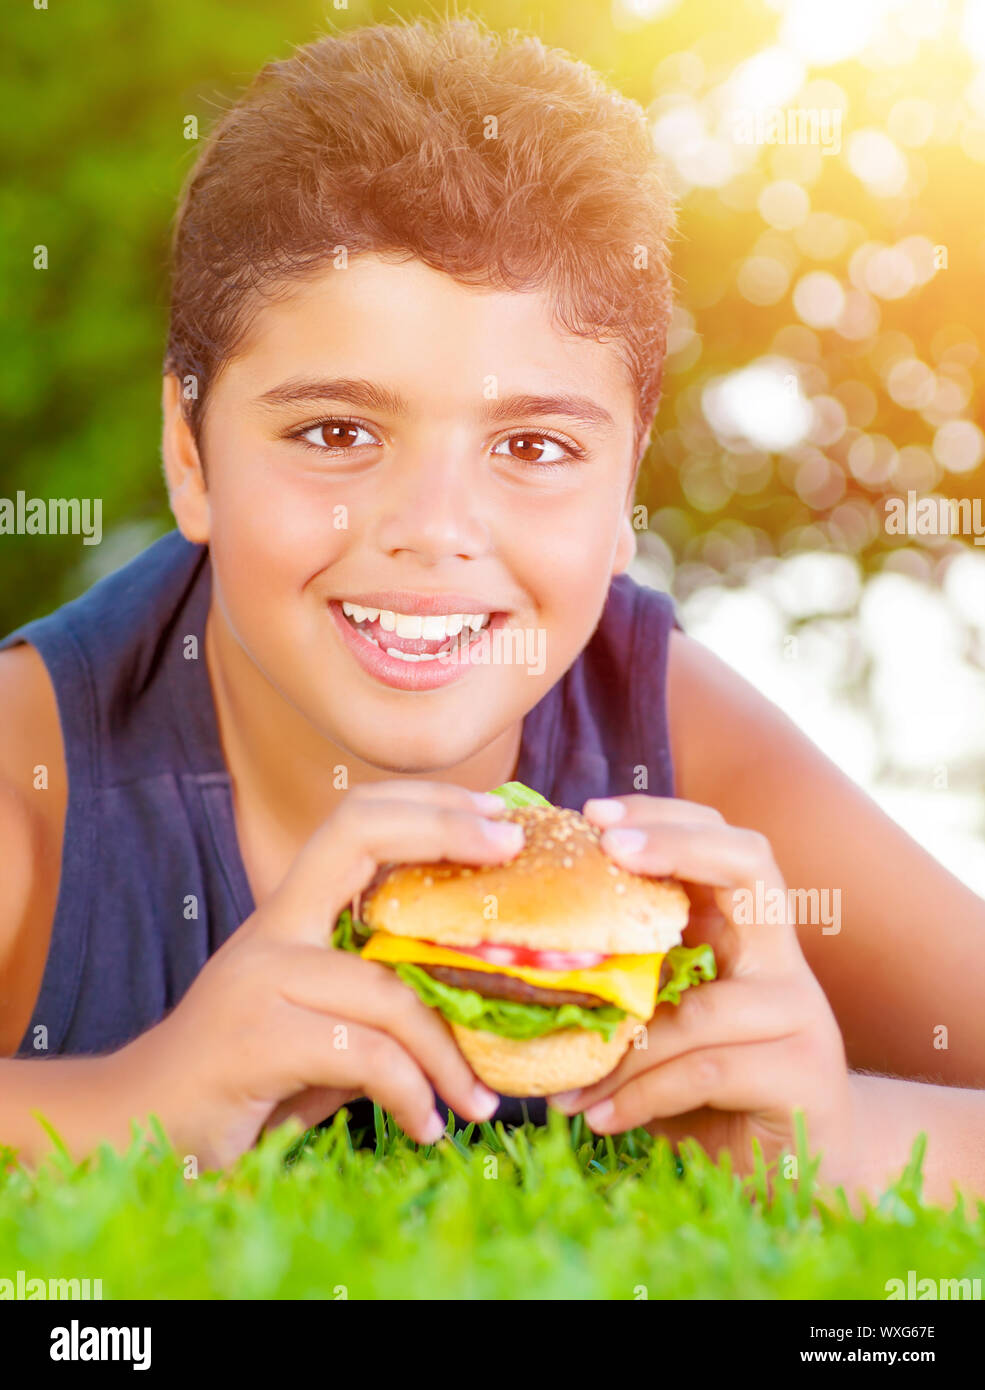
560,893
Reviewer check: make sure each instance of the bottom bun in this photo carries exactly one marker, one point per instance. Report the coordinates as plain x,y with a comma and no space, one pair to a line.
543,1066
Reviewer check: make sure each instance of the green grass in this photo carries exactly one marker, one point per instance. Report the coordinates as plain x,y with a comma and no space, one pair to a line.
487,1213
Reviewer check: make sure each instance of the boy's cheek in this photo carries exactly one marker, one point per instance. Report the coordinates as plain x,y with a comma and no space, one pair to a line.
274,536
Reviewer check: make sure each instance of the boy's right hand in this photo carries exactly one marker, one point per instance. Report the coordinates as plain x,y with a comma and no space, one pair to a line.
279,1023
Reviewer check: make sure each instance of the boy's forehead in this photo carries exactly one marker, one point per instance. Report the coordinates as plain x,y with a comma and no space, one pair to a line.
404,320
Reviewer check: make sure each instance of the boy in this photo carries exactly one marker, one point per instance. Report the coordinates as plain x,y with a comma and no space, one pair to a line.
418,318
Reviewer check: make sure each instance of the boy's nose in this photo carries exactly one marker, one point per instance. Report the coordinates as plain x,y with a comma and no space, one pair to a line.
434,514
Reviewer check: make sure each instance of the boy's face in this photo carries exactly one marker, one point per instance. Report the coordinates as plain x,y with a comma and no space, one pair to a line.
363,447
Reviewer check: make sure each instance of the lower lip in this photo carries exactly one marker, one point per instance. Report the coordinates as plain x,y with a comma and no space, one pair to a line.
405,675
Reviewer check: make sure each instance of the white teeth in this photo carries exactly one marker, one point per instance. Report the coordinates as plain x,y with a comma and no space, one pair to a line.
409,625
434,627
411,656
358,614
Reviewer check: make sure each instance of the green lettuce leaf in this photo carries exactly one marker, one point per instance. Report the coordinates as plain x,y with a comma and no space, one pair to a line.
690,965
349,934
508,1017
516,794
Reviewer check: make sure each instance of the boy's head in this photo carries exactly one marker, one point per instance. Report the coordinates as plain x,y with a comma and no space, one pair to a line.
438,222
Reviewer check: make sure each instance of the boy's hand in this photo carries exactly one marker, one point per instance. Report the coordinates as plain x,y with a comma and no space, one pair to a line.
740,1053
278,1023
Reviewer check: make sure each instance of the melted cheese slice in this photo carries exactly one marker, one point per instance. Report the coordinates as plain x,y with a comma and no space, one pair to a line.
628,981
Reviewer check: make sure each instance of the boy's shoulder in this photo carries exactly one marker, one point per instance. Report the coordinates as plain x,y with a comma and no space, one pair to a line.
30,736
85,670
33,799
32,759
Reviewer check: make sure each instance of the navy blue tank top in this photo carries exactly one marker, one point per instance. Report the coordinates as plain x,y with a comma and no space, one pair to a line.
149,820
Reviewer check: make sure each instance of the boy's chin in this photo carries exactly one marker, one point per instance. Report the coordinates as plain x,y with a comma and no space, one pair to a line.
414,757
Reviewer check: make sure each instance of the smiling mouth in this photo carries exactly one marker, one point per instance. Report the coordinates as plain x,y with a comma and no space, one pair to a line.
414,637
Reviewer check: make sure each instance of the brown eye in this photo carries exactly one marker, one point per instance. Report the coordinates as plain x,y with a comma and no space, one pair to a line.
529,447
334,434
534,448
340,435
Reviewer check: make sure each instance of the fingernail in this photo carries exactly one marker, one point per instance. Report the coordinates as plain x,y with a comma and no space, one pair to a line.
566,1101
434,1129
507,836
486,1102
598,1116
487,803
601,809
624,841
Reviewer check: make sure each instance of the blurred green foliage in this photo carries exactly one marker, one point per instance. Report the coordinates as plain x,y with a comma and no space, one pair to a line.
97,94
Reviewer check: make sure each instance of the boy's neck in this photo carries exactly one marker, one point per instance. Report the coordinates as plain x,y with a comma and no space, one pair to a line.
282,770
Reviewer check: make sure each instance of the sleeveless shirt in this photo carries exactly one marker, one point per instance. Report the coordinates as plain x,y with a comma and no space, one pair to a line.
149,825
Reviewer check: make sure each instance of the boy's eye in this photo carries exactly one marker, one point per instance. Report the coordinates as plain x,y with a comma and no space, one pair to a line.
532,448
535,449
334,434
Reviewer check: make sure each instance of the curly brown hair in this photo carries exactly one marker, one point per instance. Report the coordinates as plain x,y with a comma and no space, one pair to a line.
493,158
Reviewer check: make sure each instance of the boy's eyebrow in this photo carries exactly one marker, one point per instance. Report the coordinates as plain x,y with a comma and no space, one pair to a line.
368,395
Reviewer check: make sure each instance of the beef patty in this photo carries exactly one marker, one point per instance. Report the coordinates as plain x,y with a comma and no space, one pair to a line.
508,987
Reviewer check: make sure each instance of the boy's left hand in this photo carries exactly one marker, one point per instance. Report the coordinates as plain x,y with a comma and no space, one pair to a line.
737,1055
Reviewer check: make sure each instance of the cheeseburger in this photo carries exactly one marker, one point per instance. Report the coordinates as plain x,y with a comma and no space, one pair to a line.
545,966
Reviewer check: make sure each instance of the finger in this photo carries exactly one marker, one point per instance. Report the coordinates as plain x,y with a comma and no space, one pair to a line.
743,1078
336,982
341,857
709,1128
737,864
342,1055
720,1013
310,1107
604,811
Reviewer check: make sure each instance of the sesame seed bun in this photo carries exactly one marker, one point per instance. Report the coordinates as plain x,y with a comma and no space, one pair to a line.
542,1066
560,893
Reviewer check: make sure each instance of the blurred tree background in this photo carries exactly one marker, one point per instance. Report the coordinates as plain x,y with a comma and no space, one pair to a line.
827,347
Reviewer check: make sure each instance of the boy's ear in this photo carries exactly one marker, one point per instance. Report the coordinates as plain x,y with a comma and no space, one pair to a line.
625,545
183,470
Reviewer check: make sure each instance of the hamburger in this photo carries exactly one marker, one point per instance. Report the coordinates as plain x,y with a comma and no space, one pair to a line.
545,967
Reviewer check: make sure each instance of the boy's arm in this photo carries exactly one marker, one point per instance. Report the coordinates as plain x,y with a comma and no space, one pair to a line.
906,972
87,1100
890,1113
